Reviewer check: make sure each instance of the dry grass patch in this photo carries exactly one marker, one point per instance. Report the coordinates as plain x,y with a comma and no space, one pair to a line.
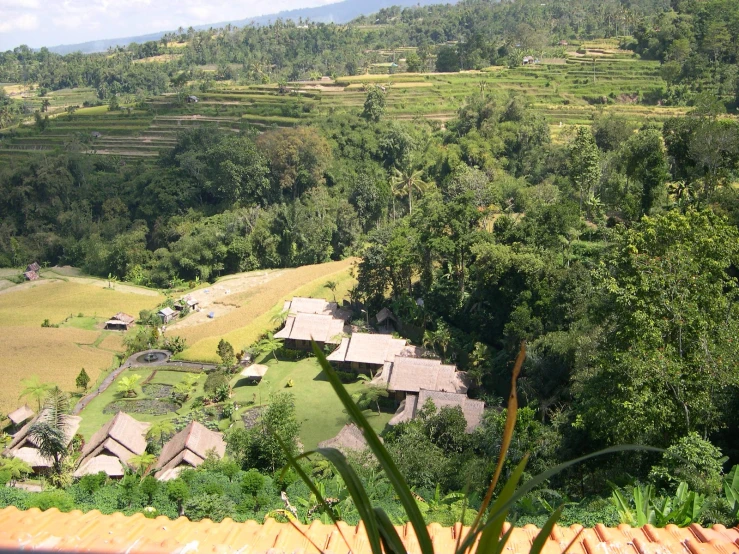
30,304
113,342
55,355
256,307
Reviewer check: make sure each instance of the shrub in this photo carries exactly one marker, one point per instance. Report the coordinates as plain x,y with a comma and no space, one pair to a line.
58,499
211,506
693,460
251,482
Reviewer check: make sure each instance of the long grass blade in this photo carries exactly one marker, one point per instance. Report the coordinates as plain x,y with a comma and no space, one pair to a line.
381,453
546,531
293,462
390,537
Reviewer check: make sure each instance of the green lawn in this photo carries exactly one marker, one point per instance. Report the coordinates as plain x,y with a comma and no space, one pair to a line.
85,322
320,412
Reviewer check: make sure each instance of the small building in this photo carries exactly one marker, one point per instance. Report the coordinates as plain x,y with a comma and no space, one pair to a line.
300,329
120,322
25,448
31,276
411,375
326,79
33,267
188,449
192,99
564,43
365,352
112,446
96,134
471,409
386,321
349,438
167,314
254,372
528,60
20,416
303,305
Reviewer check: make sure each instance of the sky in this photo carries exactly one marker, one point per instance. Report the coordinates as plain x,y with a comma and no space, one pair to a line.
39,23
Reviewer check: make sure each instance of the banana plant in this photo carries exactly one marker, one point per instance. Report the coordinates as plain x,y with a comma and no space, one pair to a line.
731,490
682,509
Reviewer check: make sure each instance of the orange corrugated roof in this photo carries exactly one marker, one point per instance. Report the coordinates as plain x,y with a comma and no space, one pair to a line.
95,532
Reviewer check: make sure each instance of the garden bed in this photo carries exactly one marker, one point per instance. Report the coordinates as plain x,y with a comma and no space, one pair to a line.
157,390
150,406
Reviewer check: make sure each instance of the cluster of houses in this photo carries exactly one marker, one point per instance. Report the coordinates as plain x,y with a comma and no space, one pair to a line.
123,322
409,372
111,449
32,272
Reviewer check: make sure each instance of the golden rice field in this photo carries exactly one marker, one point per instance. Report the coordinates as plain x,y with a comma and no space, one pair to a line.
57,355
258,305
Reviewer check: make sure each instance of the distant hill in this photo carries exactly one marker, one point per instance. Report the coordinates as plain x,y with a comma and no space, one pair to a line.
339,12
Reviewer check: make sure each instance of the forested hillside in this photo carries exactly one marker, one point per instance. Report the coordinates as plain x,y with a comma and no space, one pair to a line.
612,250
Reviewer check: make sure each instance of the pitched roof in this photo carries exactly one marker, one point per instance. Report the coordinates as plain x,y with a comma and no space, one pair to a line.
368,348
33,267
472,409
166,311
125,318
384,314
31,275
190,446
94,532
302,305
254,370
24,413
122,438
414,374
320,327
350,437
24,447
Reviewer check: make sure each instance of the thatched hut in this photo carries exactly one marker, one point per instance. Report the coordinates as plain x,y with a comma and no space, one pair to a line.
188,449
25,448
112,446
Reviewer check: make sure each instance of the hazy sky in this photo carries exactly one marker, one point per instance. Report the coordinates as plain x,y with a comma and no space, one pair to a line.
52,22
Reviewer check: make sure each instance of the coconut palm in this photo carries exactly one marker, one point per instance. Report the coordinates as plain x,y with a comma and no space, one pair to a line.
34,388
407,180
50,431
280,318
331,285
142,463
370,394
269,344
14,467
160,430
127,384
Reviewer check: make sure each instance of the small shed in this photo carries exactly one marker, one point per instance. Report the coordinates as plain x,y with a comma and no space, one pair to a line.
96,134
31,276
529,60
21,415
119,322
254,372
192,99
167,314
564,43
33,267
386,321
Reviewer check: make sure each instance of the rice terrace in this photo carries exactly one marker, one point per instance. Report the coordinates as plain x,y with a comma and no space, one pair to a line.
422,278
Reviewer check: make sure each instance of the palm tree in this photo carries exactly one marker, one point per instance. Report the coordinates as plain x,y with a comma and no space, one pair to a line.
34,388
371,394
280,318
14,467
49,432
441,338
127,385
331,285
408,180
160,430
269,344
185,386
142,463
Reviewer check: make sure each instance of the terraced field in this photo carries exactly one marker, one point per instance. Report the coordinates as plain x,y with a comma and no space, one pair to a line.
567,91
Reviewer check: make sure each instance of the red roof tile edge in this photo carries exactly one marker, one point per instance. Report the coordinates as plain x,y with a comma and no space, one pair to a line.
94,532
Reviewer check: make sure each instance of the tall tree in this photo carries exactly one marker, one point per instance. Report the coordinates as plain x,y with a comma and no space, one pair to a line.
584,160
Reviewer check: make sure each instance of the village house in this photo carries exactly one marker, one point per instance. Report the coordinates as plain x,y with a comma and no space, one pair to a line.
471,409
33,267
167,315
406,375
192,99
188,301
31,276
20,416
529,60
120,322
387,322
368,353
25,448
312,318
188,449
111,447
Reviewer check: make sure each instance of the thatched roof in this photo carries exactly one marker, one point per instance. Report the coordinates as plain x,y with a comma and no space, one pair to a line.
320,327
166,312
368,348
31,276
115,323
349,438
302,305
24,413
122,438
25,448
255,371
415,374
472,409
125,318
189,447
110,465
33,267
386,314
